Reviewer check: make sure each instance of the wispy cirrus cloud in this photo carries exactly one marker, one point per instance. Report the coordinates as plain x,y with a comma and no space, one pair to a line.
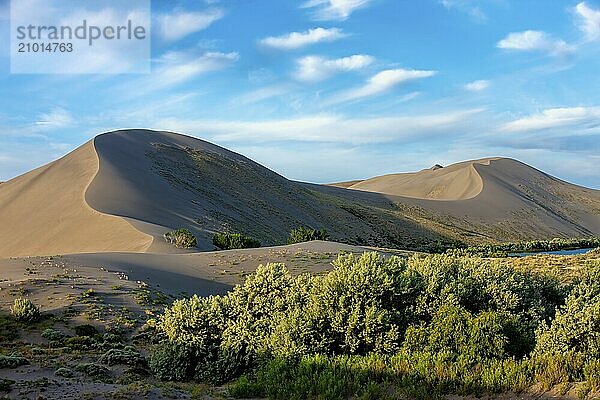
471,7
531,40
326,128
477,86
177,67
572,118
316,68
179,24
588,21
295,40
327,10
380,83
56,118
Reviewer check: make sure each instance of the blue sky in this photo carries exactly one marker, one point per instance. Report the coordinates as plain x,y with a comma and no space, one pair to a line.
330,90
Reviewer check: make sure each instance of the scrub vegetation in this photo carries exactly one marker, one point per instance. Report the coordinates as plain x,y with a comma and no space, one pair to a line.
381,327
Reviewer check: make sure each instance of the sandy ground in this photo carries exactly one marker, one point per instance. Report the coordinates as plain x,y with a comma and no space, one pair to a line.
202,273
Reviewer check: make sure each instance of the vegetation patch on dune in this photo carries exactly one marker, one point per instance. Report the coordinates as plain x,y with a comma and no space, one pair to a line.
304,234
228,241
182,238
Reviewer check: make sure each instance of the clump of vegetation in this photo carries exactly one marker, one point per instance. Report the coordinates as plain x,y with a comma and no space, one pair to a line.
85,330
24,310
304,234
5,384
9,329
429,325
93,370
126,356
227,241
172,362
182,238
79,342
64,372
53,335
12,361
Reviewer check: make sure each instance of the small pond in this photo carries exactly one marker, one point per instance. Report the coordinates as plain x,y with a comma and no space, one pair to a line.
558,252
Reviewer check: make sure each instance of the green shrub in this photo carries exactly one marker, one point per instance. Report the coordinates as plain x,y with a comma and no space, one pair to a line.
5,384
422,327
126,356
64,372
77,343
53,335
576,327
24,310
93,370
591,372
85,330
181,238
304,234
12,361
227,241
172,362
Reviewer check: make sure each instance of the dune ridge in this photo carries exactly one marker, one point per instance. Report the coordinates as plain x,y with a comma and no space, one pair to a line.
460,181
47,212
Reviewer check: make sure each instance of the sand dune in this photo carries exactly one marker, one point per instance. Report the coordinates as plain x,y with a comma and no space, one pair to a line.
168,180
455,182
122,191
500,198
44,212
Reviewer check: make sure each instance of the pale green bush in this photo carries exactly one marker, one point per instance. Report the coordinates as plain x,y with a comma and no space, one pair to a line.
24,310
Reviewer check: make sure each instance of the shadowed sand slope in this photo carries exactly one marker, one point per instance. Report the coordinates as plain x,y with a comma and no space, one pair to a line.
44,212
455,182
161,181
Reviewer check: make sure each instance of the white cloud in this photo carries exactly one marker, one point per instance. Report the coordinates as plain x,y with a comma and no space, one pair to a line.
477,86
582,118
326,10
381,83
57,118
315,68
263,93
589,21
324,128
535,41
177,25
295,40
469,6
178,67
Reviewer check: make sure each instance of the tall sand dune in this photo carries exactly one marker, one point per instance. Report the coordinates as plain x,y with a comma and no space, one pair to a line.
44,212
122,191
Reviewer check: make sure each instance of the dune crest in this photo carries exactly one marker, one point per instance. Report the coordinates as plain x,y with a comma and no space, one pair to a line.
459,181
44,212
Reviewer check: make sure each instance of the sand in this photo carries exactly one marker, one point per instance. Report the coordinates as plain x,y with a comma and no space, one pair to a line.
456,182
44,212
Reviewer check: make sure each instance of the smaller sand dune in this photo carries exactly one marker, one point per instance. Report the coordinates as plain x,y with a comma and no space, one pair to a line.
456,182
